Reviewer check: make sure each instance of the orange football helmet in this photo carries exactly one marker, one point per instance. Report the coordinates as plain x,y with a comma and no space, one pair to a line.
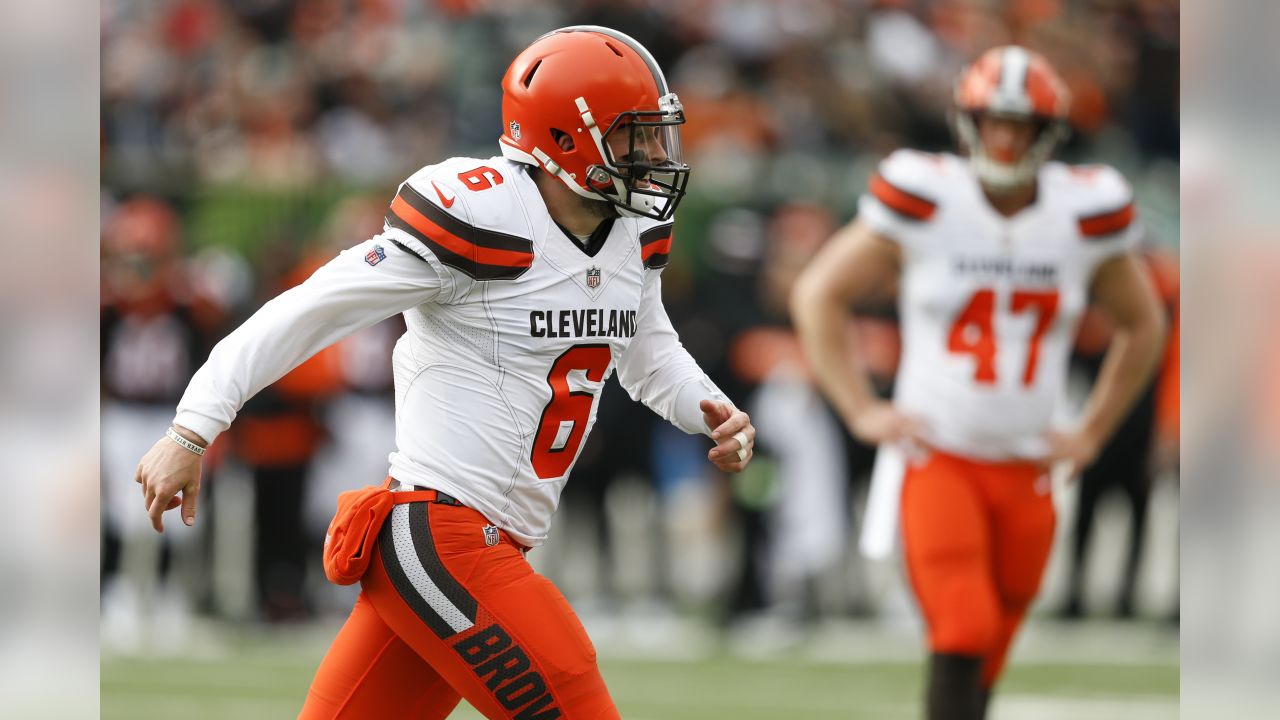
564,99
140,245
1011,82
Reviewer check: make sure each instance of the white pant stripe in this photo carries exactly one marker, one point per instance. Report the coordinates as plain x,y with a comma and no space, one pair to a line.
407,555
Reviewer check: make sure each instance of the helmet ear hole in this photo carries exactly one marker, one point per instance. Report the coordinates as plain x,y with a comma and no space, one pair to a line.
562,140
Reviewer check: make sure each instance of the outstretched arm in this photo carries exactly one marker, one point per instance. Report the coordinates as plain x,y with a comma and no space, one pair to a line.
658,371
346,295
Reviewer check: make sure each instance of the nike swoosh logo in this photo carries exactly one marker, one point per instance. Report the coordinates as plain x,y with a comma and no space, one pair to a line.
447,201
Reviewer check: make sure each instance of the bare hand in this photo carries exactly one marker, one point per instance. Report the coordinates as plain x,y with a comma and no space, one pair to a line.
166,470
730,426
883,423
1077,449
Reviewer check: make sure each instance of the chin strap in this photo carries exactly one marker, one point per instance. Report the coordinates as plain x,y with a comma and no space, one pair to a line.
596,175
538,158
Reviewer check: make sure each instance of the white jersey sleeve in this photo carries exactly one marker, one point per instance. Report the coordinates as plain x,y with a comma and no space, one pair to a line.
470,230
898,203
1106,219
658,371
361,286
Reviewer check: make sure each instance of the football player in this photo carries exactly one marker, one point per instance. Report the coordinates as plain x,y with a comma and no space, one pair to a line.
993,258
154,329
525,279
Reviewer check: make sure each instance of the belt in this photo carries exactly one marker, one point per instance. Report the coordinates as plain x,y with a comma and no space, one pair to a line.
421,495
440,498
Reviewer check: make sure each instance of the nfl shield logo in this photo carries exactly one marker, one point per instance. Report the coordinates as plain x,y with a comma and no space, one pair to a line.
490,535
376,255
593,277
515,130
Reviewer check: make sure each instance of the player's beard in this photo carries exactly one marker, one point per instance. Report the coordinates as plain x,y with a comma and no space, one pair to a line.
602,209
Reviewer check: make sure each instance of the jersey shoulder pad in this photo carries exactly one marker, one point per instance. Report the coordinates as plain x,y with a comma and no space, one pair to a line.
655,242
909,183
462,210
1097,195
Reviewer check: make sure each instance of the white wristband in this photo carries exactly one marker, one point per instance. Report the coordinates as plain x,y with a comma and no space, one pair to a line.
174,436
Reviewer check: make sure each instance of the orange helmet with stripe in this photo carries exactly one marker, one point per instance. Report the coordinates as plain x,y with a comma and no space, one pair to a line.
1016,83
568,99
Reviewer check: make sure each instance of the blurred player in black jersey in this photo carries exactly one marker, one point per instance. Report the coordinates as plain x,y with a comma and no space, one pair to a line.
155,332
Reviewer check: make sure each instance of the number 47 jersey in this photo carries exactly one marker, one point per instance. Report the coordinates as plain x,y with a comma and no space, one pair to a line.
513,328
990,304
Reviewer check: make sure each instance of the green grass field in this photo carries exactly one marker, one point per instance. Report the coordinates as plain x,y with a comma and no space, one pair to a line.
1056,676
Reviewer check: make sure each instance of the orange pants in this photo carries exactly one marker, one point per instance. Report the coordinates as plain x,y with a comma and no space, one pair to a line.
977,537
445,615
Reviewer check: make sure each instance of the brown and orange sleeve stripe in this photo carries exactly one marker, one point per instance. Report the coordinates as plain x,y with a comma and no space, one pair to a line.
655,246
480,254
909,205
1107,223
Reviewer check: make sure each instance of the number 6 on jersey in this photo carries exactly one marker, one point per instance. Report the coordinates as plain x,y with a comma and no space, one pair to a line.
564,419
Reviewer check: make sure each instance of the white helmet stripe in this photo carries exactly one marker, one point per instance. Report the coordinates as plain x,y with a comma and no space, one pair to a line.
1013,71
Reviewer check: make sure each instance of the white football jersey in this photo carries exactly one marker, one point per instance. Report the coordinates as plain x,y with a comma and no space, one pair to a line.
989,305
513,328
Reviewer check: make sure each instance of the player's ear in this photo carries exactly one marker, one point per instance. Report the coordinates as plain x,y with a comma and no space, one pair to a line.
563,140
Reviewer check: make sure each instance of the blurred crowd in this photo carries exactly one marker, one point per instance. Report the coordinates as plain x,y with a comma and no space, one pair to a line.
288,93
244,142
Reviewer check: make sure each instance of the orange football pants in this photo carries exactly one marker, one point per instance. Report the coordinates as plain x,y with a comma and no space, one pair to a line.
977,536
444,615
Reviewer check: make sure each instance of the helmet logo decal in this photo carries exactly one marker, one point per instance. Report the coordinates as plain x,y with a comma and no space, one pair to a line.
515,129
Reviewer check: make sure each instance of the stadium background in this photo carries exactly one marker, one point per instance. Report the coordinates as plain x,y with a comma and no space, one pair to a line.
277,131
